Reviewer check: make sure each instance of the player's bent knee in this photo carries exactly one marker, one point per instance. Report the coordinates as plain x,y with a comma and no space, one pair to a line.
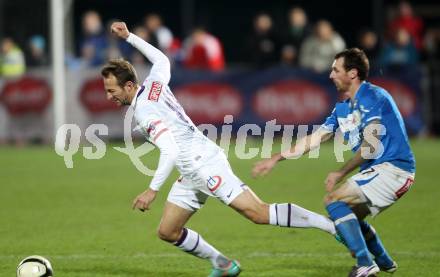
169,235
330,198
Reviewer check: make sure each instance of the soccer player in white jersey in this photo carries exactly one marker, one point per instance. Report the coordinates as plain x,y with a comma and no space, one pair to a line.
204,168
372,124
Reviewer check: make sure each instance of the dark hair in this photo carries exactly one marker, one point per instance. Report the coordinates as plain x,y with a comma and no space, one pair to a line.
355,58
121,69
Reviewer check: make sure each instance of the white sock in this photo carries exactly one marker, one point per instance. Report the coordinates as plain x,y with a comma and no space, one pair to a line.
192,243
291,215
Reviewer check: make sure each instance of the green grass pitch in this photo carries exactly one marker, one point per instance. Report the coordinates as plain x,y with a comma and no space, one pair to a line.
81,219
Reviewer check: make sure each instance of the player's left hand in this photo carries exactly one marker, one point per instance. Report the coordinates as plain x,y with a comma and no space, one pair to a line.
120,29
144,200
332,179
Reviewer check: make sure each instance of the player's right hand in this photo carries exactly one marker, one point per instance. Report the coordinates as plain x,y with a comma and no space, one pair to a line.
144,200
263,167
120,29
333,178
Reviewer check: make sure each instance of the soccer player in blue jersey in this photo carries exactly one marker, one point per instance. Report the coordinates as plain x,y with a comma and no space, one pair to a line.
373,126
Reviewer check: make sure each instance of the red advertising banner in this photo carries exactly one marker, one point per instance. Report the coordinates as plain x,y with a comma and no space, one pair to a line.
26,95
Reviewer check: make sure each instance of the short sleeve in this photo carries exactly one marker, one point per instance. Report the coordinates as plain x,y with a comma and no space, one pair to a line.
331,123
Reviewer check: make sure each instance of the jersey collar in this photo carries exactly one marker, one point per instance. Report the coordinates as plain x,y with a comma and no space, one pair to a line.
138,93
359,92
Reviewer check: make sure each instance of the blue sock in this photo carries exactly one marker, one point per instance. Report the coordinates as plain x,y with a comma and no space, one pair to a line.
375,245
348,228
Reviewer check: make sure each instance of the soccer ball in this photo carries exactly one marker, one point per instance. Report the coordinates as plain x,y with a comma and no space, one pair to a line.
34,266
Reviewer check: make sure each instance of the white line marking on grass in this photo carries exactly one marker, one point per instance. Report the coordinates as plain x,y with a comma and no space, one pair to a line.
249,255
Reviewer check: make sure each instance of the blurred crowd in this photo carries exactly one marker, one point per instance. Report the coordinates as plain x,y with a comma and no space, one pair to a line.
299,43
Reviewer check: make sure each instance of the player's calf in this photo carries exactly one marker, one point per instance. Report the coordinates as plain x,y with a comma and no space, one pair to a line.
193,243
258,214
376,247
291,215
348,228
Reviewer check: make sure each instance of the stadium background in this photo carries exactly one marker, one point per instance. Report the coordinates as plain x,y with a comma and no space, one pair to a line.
80,219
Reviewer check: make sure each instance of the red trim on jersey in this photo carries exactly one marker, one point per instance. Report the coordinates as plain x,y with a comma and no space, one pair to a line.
160,133
156,122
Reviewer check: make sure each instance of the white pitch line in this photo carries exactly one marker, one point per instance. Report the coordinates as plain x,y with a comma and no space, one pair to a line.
249,255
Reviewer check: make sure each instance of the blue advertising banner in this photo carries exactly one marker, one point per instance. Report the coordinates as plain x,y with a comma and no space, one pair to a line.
291,96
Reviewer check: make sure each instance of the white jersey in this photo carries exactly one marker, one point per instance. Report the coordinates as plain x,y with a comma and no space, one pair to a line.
163,121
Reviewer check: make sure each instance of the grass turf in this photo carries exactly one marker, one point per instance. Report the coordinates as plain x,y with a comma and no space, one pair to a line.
81,219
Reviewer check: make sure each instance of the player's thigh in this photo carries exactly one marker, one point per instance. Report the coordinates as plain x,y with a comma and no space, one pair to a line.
347,193
173,220
251,206
186,193
382,185
217,179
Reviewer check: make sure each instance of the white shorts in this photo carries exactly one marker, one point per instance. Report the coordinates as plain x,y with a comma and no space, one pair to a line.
215,178
381,185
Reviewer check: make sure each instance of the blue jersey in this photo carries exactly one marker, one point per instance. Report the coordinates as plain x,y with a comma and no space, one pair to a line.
373,103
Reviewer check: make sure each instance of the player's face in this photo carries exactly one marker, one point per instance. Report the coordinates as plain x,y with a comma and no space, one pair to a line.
339,76
114,92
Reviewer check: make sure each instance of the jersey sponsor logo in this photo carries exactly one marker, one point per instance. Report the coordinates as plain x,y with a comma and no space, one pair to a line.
214,183
404,188
351,122
155,129
151,129
155,91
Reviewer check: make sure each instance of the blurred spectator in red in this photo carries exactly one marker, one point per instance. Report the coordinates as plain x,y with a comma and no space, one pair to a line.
202,50
94,43
400,51
319,49
262,48
293,37
37,51
411,23
369,43
12,62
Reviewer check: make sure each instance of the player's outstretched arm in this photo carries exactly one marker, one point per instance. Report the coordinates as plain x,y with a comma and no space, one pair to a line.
303,146
161,70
